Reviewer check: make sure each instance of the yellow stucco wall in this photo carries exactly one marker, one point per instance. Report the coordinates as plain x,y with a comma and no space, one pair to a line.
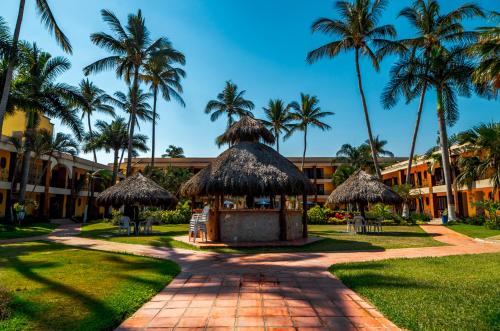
17,123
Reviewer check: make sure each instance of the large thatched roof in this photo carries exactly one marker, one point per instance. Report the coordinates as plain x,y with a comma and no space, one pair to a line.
248,168
246,129
136,189
364,188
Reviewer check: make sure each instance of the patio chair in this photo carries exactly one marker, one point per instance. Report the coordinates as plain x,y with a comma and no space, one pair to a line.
376,225
125,224
198,223
147,225
350,225
359,223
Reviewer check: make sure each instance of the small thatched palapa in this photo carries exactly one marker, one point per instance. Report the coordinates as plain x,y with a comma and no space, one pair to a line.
246,129
248,168
363,188
136,189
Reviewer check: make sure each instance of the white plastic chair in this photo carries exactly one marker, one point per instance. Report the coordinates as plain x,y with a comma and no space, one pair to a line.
125,224
198,223
147,225
350,225
358,223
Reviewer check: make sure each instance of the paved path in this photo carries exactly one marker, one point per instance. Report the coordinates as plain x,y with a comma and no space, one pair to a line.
275,291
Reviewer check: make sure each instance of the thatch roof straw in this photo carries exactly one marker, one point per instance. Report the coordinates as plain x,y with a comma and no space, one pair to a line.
363,188
136,189
248,169
246,129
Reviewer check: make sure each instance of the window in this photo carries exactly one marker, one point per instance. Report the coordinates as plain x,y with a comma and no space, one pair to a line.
3,162
320,189
441,203
79,202
1,198
427,201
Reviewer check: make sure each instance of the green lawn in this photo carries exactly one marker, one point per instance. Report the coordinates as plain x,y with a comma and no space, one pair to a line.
336,238
445,293
474,231
58,287
31,230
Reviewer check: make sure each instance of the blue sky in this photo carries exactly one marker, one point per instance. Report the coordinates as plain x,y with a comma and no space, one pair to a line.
261,45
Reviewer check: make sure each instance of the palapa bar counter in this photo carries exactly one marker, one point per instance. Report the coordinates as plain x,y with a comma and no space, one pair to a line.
251,169
253,225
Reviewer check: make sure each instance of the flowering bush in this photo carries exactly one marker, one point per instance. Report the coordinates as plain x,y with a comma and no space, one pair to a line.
324,215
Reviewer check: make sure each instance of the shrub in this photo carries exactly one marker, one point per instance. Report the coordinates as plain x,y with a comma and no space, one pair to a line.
116,215
182,214
5,300
492,208
317,215
337,221
478,220
418,218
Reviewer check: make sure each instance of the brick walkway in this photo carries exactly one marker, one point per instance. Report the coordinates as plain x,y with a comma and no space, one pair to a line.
275,291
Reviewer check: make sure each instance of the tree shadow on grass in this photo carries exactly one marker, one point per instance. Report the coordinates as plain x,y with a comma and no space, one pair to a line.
100,316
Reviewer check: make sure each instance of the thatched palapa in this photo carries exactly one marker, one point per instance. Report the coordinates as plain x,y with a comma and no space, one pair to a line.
363,188
248,169
136,189
246,129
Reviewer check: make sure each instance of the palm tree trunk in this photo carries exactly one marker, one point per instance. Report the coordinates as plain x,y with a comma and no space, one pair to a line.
12,62
91,136
406,209
132,120
115,167
367,118
277,141
155,95
445,156
304,152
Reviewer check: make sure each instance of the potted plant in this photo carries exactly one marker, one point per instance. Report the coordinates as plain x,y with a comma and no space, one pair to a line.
20,211
444,216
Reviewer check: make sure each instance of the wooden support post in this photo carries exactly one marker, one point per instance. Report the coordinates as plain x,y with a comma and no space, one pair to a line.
282,219
217,214
304,215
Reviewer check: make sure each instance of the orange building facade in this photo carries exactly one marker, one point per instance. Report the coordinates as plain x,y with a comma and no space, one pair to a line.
429,191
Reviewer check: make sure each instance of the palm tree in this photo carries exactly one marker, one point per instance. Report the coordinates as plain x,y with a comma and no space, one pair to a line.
487,50
95,101
53,148
174,152
306,114
230,102
38,94
358,31
126,102
379,146
357,157
449,73
161,75
50,23
131,47
483,159
114,137
277,119
432,29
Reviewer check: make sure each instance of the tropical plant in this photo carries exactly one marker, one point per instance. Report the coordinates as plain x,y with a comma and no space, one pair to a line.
431,29
44,144
95,101
114,137
482,157
174,152
359,31
39,94
131,47
492,208
161,75
307,114
487,50
91,177
278,119
341,174
127,102
50,23
357,157
230,102
170,178
379,146
449,73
